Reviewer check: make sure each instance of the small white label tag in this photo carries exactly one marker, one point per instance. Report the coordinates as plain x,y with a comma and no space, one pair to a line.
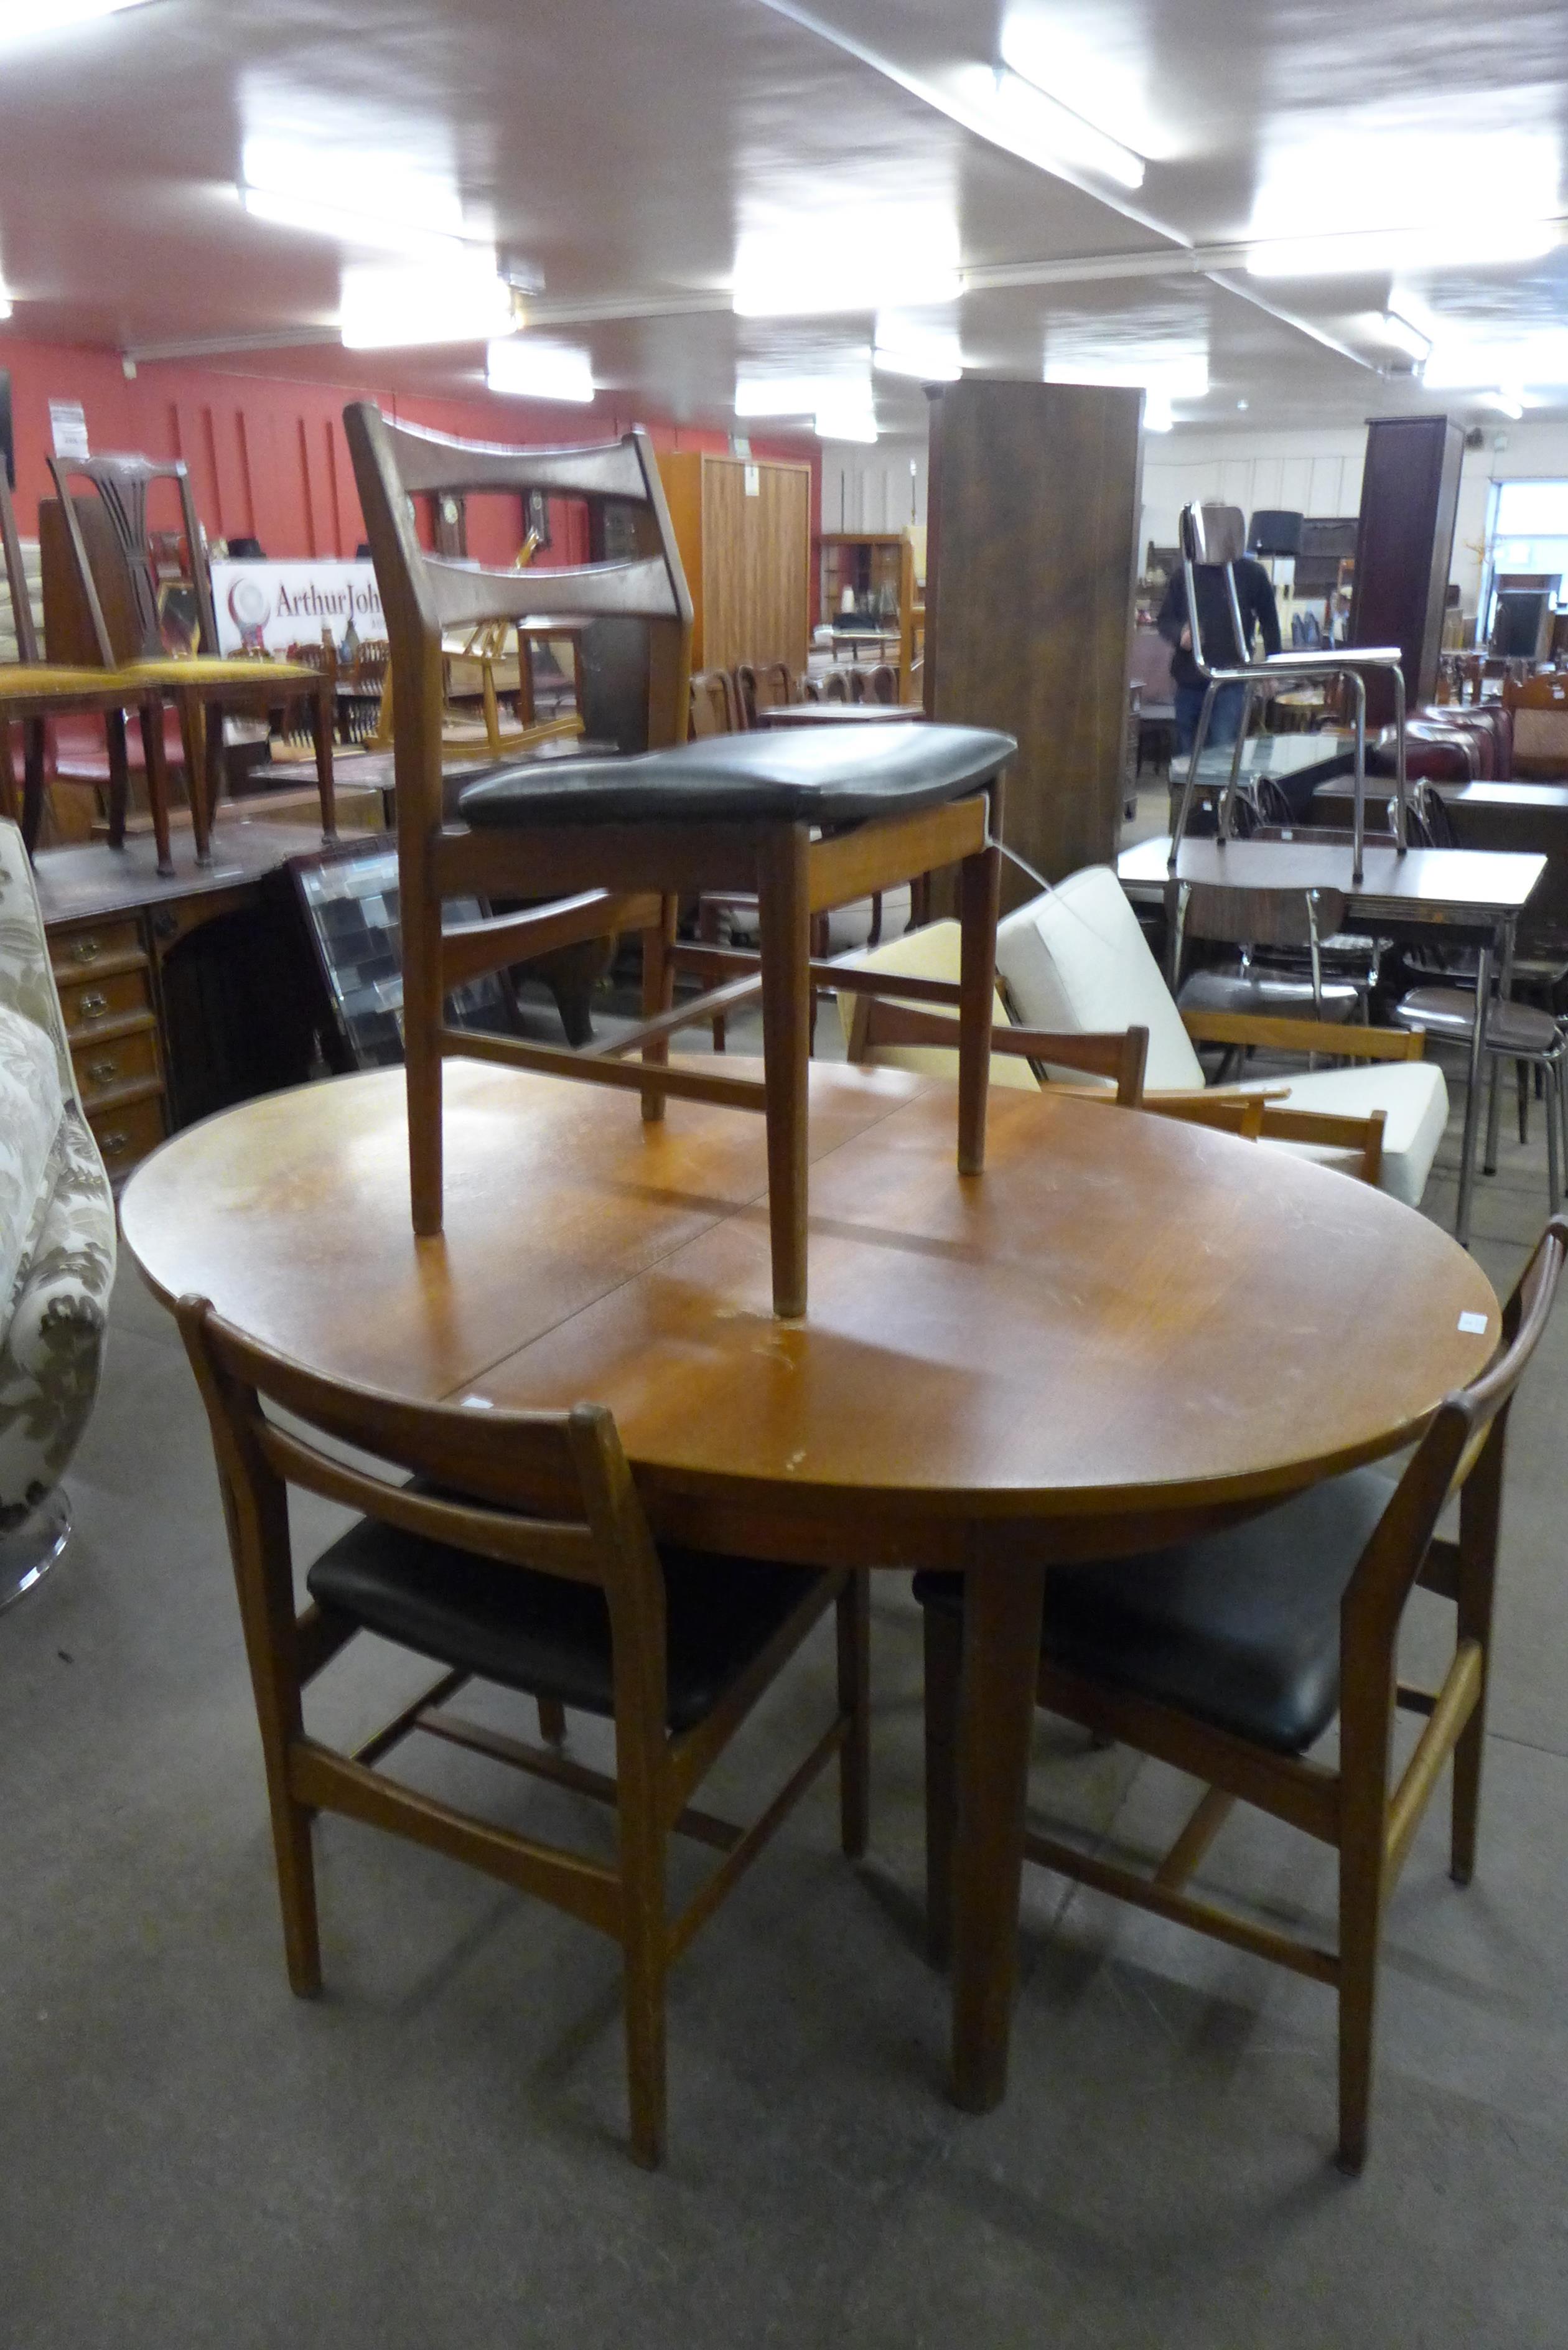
1473,1325
477,1403
753,481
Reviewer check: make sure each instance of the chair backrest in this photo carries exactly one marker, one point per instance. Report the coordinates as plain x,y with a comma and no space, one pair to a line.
836,686
1539,710
1212,535
774,689
546,1490
1075,959
1262,918
122,484
17,579
743,683
1462,1451
423,594
930,953
879,1022
712,702
882,685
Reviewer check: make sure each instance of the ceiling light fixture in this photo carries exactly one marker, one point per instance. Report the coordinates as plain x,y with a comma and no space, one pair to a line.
1035,120
1506,404
525,370
802,395
1452,244
1157,414
846,424
905,347
385,308
29,20
283,210
892,258
1406,338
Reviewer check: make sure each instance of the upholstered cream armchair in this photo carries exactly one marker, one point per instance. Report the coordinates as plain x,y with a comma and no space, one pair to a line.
57,1243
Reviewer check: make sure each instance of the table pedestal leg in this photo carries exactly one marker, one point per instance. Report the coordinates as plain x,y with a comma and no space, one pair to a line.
1472,1099
1003,1605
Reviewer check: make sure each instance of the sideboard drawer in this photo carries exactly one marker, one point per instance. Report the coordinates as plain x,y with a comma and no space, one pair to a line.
127,1131
104,1061
107,997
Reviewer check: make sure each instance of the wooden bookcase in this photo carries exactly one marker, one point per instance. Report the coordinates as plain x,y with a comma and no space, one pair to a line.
743,529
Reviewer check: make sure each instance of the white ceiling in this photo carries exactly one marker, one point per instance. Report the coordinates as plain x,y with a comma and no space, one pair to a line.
621,148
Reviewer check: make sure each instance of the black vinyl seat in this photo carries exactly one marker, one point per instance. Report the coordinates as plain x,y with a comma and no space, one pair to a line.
819,777
1239,1628
549,1637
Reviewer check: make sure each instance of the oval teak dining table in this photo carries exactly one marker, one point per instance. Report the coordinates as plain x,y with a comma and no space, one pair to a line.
1126,1329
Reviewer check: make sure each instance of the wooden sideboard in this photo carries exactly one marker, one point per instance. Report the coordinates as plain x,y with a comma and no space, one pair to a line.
179,995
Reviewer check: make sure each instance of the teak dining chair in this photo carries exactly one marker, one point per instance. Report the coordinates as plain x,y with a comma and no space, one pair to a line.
34,691
519,1556
126,632
803,824
1230,1656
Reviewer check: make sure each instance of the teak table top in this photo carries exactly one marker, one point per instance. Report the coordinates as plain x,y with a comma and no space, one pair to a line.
1124,1328
1122,1312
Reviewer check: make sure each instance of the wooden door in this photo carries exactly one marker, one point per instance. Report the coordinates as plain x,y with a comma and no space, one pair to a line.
757,558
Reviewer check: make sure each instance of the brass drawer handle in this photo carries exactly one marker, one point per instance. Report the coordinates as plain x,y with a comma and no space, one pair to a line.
101,1072
91,1006
111,1145
85,951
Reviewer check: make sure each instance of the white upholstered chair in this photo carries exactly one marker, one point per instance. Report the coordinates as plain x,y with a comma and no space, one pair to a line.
1076,959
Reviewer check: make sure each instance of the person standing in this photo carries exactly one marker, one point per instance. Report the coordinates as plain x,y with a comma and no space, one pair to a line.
1255,594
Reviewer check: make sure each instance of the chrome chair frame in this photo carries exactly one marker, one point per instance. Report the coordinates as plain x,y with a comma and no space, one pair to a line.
1277,670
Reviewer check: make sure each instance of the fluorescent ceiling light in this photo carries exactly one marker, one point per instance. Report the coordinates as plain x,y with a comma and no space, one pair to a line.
1507,403
1449,245
1164,375
1157,414
1406,338
846,424
302,212
801,395
1035,119
905,347
459,302
897,256
1530,359
28,20
529,370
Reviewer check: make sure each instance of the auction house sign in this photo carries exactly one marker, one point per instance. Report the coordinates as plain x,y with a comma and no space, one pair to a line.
271,606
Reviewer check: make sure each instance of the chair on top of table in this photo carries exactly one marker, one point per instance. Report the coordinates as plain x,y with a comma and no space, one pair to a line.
1077,958
34,691
805,822
518,1554
1216,536
118,594
1228,1657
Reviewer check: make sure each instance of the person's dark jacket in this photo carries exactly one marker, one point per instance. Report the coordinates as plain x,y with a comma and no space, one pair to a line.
1254,593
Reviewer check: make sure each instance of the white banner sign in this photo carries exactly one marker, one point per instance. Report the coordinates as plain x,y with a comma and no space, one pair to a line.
275,605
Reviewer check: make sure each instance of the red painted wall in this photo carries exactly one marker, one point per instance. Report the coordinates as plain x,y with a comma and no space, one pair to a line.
267,455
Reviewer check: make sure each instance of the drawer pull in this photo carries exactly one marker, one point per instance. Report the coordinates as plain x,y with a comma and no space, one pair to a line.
111,1145
85,951
91,1006
101,1072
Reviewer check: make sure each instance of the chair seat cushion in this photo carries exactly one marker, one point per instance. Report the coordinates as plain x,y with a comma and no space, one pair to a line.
1266,996
933,952
1413,1096
1239,1628
549,1636
1451,1012
212,668
798,777
43,681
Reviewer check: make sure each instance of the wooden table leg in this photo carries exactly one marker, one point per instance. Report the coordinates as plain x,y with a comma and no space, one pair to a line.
783,905
979,886
1003,1604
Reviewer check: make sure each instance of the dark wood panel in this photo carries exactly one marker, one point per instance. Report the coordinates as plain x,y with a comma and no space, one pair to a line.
1403,547
1034,506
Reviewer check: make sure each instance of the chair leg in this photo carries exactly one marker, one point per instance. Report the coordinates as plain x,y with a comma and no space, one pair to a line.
422,1061
295,1855
783,897
980,883
151,719
658,995
323,715
119,775
854,1625
192,750
1521,1086
1553,1073
32,783
708,935
213,791
8,803
1360,1928
874,937
944,1658
645,1940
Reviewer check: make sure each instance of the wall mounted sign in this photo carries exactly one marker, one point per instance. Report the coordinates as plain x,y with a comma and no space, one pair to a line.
68,428
272,605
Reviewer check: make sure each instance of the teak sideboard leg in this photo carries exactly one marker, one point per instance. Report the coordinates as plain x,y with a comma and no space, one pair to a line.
1003,1604
979,886
783,905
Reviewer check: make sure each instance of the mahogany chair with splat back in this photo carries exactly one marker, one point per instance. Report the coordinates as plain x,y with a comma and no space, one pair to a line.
34,692
619,840
118,599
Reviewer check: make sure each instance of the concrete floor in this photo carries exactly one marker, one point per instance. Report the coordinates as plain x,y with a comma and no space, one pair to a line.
433,2153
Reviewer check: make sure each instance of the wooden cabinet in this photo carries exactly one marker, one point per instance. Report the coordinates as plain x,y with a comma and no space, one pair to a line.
743,529
105,978
870,565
